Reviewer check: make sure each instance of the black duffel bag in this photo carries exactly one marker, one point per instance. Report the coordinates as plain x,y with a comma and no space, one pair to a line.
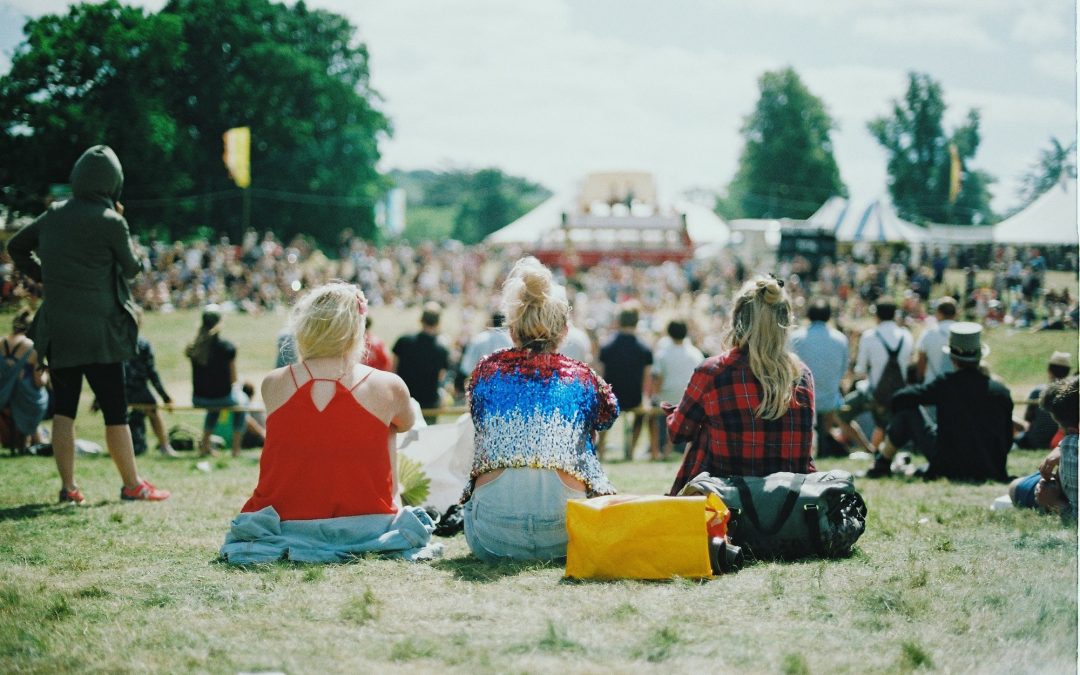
789,515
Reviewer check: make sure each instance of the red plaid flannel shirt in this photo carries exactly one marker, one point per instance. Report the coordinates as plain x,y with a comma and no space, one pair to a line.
716,416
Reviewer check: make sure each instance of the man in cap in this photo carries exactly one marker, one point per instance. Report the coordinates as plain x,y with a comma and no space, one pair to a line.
973,434
1040,426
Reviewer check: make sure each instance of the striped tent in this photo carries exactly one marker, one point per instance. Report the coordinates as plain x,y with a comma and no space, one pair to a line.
873,222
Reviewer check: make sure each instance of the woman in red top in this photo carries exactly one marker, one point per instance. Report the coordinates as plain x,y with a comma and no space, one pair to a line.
331,421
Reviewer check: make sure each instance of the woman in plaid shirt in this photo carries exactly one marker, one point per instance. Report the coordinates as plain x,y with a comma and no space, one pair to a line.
748,411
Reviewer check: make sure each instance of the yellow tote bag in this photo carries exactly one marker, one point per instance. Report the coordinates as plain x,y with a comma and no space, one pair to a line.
646,537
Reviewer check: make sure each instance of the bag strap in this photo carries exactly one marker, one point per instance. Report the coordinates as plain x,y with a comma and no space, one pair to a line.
893,353
747,500
813,526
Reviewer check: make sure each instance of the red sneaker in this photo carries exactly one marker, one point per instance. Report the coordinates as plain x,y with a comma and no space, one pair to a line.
72,496
144,491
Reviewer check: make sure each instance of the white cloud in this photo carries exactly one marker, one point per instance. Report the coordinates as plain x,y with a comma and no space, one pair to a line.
923,29
1060,66
1040,27
527,93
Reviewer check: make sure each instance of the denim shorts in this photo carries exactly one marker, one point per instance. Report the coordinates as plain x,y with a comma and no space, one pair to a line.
1024,497
521,515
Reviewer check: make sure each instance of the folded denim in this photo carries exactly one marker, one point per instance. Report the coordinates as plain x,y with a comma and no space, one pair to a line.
262,536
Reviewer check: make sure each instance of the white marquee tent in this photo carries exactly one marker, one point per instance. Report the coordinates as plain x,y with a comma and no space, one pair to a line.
1050,219
870,222
703,226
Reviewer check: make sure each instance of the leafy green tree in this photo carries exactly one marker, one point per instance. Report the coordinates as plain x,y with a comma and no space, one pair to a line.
300,80
163,88
493,200
1055,163
90,77
920,160
462,204
787,166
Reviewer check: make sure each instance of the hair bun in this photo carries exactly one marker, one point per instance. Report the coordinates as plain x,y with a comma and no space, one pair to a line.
535,288
770,291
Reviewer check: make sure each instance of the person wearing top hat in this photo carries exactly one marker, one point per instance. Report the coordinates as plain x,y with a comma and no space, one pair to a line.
1039,425
973,433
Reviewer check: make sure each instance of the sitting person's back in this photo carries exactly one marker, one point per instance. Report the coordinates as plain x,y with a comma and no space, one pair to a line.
536,414
328,444
750,410
327,477
330,428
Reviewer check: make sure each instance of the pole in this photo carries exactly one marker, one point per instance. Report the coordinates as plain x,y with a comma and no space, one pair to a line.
245,223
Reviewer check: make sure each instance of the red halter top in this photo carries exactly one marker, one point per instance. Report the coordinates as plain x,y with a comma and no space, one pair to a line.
324,463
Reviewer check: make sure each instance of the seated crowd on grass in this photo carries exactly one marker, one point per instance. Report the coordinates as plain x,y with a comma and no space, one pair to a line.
539,413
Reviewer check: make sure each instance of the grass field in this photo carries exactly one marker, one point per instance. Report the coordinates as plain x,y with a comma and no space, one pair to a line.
938,583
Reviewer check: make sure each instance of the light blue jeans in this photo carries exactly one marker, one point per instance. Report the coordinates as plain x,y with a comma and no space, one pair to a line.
521,515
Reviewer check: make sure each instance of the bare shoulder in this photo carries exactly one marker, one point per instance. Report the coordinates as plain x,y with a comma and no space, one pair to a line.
277,386
389,384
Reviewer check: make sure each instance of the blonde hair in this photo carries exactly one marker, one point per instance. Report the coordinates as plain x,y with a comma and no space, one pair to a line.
760,323
536,312
330,321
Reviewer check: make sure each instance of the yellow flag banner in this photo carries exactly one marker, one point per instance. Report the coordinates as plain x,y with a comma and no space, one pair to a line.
238,155
954,173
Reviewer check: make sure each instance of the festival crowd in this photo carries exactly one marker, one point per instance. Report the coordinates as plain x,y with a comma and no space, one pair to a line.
707,357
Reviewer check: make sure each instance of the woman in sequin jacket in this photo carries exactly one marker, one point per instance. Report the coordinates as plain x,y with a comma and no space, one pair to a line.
536,414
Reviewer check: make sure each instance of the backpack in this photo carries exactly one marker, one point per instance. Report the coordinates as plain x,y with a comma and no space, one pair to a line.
892,378
789,515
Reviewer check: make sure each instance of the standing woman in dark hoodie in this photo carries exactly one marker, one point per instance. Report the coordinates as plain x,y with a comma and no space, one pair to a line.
81,252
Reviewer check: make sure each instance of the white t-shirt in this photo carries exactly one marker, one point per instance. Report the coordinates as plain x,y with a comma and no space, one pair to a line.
873,356
675,363
930,343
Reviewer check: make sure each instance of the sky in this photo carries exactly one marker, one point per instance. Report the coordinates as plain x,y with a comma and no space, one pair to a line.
555,89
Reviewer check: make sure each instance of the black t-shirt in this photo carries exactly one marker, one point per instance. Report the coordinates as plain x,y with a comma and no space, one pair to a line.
420,359
213,380
625,359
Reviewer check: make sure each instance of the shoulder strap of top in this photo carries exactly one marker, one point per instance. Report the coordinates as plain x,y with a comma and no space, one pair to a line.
292,373
362,379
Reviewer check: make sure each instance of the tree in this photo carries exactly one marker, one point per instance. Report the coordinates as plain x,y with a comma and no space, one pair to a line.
492,200
84,78
162,89
920,164
787,166
1054,164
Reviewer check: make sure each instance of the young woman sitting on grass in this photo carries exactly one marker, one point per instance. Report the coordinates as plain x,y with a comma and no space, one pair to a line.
536,414
327,476
748,411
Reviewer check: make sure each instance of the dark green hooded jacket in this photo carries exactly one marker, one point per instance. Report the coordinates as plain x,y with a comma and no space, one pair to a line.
81,251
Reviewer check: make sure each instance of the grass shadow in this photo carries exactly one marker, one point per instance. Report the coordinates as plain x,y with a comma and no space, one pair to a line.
28,511
468,568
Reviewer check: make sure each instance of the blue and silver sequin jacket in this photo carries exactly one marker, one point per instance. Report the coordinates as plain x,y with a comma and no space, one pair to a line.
539,411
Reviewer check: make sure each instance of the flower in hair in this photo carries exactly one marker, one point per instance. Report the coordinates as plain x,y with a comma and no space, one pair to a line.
361,303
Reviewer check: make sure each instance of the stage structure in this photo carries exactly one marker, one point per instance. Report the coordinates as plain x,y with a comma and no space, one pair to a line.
613,216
